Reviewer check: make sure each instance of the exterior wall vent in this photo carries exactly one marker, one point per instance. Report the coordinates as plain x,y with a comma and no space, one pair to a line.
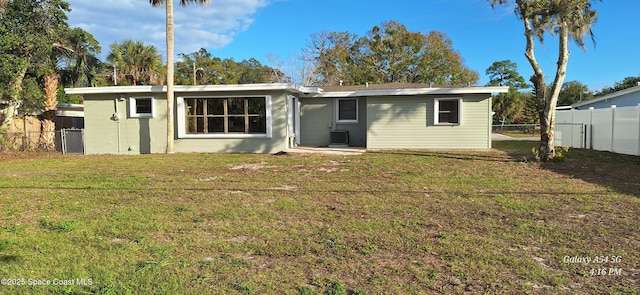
339,138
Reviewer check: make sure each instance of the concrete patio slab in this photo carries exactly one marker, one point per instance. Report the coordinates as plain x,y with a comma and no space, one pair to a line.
345,151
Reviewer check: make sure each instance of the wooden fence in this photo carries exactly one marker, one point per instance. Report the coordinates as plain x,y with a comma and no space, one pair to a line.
22,135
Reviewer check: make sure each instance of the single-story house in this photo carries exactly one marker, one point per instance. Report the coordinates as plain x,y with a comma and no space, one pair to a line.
268,118
629,97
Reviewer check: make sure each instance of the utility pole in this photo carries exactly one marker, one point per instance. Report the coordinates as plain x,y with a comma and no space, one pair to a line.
115,79
194,72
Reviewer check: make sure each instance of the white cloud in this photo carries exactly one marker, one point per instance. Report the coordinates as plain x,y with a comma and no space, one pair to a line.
196,26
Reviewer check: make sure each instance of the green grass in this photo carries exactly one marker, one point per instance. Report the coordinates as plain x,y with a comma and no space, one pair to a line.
520,133
388,222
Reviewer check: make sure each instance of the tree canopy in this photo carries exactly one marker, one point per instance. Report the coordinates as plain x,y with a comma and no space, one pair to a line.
508,107
30,33
136,63
505,73
208,69
573,92
627,82
388,53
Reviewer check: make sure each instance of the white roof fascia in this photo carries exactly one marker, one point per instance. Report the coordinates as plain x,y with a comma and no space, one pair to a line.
194,88
608,96
307,91
418,91
243,87
415,91
115,89
70,105
336,94
70,113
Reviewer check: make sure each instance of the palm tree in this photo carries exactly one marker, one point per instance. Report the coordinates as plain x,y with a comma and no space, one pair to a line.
567,19
83,66
51,82
170,69
135,60
47,124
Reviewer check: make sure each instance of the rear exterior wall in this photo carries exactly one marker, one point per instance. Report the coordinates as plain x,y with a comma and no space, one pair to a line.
105,135
407,122
318,119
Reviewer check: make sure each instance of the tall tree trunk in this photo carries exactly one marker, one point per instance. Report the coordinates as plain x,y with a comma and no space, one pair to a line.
546,102
539,86
47,130
170,70
14,97
547,144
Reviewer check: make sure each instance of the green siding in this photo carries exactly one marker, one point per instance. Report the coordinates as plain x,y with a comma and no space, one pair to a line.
101,132
318,118
357,132
316,121
408,122
134,135
142,135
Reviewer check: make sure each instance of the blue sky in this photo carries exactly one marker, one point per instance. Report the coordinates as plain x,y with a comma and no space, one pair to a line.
243,29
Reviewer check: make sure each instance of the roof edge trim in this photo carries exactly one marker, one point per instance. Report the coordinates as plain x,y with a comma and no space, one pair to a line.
194,88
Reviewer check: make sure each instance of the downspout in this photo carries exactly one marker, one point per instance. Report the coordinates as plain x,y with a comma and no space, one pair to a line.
638,151
290,111
297,121
116,118
334,115
490,112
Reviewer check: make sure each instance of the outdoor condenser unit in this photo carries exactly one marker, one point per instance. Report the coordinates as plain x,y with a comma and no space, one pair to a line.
339,138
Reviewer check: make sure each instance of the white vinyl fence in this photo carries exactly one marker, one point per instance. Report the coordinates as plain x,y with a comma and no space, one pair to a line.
615,129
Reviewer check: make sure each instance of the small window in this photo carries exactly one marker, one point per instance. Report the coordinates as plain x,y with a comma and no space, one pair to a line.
347,110
141,107
447,111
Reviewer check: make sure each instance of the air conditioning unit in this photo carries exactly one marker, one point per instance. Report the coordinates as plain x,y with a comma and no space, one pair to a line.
339,138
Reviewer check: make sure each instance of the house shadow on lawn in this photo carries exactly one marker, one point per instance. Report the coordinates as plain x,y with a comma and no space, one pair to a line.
618,172
458,155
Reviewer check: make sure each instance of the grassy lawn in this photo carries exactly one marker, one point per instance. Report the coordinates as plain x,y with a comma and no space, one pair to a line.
519,134
395,222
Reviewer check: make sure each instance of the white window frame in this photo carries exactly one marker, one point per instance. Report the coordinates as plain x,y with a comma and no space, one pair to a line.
436,111
182,133
338,121
132,107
